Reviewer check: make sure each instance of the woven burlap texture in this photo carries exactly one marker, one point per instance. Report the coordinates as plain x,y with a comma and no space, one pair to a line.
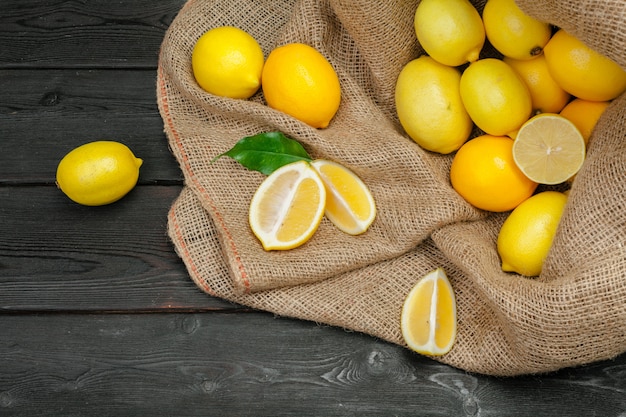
574,313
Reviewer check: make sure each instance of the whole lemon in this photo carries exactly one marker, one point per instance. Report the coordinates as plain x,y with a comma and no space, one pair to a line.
527,234
429,105
513,32
98,173
495,97
546,94
227,61
450,31
299,81
584,114
484,173
581,71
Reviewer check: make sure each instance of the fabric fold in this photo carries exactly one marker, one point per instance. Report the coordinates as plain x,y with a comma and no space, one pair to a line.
572,314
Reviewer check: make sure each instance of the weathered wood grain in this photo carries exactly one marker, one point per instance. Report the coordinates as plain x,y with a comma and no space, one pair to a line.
256,365
87,34
57,255
45,114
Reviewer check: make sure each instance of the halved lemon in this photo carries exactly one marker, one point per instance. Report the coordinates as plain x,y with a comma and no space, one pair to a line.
288,206
549,149
428,320
349,203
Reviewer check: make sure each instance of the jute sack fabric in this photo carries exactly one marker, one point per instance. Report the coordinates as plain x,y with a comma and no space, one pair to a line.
574,313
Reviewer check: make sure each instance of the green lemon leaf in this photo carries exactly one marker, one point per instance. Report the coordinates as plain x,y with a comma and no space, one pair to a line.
266,152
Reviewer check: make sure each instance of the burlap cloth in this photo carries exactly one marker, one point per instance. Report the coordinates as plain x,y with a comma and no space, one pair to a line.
573,314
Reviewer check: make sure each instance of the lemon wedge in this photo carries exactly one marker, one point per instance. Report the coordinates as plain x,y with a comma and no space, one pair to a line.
428,319
349,203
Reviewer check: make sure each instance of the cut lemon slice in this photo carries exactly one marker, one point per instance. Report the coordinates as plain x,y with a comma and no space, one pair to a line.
349,204
429,315
549,149
288,206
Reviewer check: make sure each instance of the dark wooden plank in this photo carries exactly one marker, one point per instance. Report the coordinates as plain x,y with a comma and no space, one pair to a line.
256,365
93,34
45,114
58,255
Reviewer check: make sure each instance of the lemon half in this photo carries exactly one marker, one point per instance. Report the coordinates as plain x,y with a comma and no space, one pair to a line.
549,149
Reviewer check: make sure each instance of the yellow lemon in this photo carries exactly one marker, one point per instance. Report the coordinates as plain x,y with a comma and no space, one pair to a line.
227,61
299,81
527,234
450,31
581,71
546,94
288,206
349,203
495,97
549,149
484,173
513,32
98,173
429,105
584,114
428,319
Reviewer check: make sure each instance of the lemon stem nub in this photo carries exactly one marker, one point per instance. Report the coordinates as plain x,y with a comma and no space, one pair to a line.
537,50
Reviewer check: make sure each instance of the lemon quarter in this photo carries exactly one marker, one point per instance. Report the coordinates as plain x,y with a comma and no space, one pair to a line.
349,203
549,149
98,173
428,319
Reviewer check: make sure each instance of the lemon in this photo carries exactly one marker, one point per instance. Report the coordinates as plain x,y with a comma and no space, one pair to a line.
495,97
450,31
584,114
98,173
227,61
428,319
429,105
549,149
527,234
349,203
513,32
581,71
484,173
299,81
288,206
546,94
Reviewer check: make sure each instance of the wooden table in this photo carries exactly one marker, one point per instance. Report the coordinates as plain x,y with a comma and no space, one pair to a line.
98,315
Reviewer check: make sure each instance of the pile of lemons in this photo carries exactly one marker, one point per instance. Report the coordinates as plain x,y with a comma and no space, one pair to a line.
535,106
442,94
